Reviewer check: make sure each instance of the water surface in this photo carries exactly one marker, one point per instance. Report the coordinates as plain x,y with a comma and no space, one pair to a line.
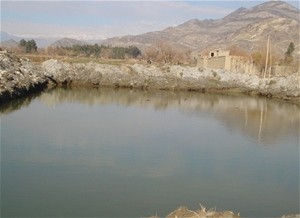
125,153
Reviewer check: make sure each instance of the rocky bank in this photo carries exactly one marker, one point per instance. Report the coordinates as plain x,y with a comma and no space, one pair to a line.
184,212
19,77
201,213
171,77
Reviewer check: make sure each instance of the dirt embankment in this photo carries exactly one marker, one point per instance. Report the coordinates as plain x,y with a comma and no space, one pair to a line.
19,77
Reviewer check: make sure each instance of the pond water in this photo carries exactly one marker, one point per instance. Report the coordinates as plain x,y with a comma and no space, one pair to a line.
127,153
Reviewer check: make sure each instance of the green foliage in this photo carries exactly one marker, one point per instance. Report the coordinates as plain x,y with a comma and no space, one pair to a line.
107,51
133,51
121,52
290,49
87,50
118,52
28,46
31,46
289,53
23,42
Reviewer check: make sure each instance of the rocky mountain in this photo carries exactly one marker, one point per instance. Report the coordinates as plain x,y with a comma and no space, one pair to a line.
67,42
245,28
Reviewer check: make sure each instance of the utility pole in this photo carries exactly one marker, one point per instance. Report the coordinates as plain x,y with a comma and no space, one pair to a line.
267,57
270,68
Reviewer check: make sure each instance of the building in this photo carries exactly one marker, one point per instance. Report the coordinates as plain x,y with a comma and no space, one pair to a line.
219,59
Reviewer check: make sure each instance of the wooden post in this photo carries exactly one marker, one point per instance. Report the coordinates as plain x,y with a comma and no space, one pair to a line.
270,68
267,57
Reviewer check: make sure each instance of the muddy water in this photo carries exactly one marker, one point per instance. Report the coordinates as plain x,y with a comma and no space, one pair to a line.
124,153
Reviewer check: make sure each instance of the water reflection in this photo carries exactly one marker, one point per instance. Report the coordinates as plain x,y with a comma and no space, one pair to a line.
262,119
16,104
113,152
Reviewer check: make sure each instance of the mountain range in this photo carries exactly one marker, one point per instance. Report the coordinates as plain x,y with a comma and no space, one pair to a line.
6,40
244,28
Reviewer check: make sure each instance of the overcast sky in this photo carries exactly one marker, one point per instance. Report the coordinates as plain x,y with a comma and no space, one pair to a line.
87,20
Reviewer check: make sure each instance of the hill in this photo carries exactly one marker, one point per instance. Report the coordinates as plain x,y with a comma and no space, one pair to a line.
8,44
4,36
66,42
245,28
40,41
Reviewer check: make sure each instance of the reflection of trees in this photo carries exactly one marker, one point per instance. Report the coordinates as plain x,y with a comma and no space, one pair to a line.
259,118
158,99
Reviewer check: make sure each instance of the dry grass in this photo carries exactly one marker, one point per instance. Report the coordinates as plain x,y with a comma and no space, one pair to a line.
39,58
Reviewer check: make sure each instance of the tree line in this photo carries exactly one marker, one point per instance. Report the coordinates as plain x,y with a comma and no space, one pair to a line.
96,50
106,51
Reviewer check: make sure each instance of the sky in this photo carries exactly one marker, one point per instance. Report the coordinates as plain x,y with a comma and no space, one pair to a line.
96,20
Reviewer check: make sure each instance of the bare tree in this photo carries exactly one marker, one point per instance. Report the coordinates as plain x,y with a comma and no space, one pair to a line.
163,52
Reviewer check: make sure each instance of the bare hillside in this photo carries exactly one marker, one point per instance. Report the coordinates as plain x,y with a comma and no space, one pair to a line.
66,42
246,28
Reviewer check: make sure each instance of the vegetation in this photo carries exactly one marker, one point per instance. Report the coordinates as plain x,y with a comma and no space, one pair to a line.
274,59
86,50
259,59
288,56
97,51
28,46
238,51
121,52
165,53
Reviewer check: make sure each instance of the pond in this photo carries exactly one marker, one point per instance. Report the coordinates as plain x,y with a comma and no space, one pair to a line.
130,153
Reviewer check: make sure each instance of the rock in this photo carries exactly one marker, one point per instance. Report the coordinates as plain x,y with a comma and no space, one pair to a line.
291,216
18,77
168,77
202,213
182,212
